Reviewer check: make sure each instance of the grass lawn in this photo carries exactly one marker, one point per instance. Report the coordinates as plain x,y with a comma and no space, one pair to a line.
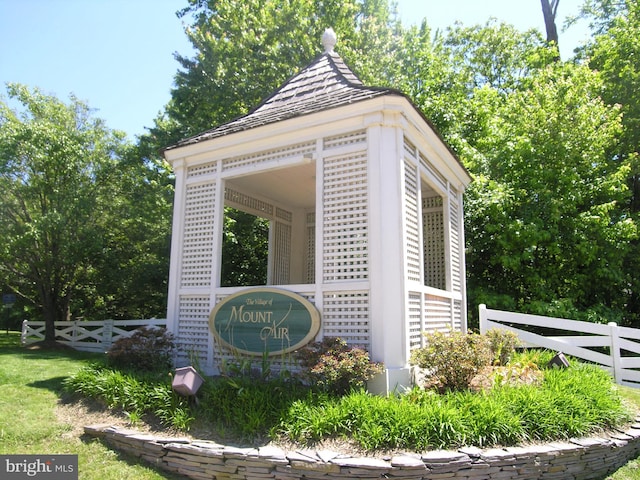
30,393
33,419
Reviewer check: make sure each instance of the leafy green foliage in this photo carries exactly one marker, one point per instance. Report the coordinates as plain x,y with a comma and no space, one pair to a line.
545,215
134,393
502,344
147,349
245,249
452,358
336,367
85,222
569,402
575,401
56,171
613,54
247,405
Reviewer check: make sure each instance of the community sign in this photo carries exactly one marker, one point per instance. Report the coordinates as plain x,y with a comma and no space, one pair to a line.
263,320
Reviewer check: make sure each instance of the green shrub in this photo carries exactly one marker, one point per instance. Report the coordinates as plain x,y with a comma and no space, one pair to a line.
335,367
502,344
149,349
452,359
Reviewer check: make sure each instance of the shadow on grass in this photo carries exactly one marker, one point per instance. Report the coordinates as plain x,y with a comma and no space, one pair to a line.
53,384
9,340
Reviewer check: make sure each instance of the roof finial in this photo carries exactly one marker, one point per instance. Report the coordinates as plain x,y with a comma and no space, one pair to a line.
329,40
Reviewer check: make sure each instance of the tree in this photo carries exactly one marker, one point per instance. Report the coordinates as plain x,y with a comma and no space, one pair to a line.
57,166
544,225
129,279
483,64
615,54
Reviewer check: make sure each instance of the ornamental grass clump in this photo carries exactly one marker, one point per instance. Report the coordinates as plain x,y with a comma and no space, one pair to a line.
247,405
136,394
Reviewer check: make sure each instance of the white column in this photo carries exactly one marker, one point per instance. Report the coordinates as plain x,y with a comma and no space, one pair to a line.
298,245
387,296
173,303
463,261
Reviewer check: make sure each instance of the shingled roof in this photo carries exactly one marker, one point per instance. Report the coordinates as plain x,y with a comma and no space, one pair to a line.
327,82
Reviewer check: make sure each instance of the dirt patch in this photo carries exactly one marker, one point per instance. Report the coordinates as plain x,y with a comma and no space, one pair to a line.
78,414
56,346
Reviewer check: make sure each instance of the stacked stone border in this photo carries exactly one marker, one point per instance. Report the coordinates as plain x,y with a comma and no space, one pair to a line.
584,458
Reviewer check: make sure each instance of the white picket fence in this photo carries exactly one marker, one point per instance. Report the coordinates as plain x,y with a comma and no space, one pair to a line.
621,344
88,336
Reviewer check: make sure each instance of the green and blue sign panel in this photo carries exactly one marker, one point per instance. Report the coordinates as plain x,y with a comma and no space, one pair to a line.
264,320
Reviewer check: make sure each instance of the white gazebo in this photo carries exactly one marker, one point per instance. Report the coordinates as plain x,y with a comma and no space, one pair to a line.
364,202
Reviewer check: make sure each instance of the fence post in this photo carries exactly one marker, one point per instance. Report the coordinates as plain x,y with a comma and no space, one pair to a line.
23,333
107,334
615,352
482,310
74,334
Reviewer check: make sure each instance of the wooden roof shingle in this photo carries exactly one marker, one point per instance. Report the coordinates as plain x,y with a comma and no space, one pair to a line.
327,82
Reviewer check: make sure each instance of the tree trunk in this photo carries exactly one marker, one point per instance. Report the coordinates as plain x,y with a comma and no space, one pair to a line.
54,309
49,314
549,10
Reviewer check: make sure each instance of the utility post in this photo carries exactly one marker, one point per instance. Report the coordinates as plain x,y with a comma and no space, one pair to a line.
8,299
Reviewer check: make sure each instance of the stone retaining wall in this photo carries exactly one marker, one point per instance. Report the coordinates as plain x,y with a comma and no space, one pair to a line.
587,458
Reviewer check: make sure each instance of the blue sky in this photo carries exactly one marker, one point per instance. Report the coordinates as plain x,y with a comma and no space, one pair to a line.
117,55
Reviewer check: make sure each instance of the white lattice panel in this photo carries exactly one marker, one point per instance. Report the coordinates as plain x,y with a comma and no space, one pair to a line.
415,320
192,339
457,315
197,245
412,222
281,254
352,138
346,315
310,248
248,203
433,242
269,155
283,215
438,314
345,228
202,170
456,261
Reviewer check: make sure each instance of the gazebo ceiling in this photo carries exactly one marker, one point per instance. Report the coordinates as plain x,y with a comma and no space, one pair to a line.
294,187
